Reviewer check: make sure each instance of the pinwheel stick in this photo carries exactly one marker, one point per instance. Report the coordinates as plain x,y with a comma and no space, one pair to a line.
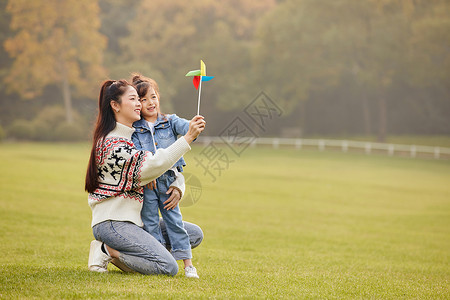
199,94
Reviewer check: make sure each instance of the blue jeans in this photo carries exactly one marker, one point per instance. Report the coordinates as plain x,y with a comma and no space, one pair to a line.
154,201
139,250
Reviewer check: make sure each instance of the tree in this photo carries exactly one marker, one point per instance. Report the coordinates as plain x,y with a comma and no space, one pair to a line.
309,47
4,34
295,57
57,43
168,38
428,55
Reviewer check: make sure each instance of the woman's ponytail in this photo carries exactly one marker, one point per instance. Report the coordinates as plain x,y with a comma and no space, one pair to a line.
111,90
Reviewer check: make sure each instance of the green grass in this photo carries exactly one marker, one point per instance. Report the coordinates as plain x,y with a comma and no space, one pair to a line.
277,224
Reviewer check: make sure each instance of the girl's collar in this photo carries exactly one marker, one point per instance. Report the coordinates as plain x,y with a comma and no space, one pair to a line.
142,123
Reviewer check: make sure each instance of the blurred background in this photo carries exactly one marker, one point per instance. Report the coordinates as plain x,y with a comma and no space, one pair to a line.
337,68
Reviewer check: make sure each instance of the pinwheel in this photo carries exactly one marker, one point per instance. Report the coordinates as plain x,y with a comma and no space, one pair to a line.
199,76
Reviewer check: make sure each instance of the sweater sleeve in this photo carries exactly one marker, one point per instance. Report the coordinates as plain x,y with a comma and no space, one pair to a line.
155,165
123,168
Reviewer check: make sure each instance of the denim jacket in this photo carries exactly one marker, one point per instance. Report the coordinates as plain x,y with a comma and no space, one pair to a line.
166,131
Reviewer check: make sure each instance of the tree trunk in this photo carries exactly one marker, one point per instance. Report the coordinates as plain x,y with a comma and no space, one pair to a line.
67,100
302,119
366,114
382,125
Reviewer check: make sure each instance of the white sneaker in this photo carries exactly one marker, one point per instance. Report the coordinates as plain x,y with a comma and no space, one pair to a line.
98,261
190,272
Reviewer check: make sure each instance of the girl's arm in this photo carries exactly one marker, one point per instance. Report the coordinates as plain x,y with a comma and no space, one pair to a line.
180,126
136,141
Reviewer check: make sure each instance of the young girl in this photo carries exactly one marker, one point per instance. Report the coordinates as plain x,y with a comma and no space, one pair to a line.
158,131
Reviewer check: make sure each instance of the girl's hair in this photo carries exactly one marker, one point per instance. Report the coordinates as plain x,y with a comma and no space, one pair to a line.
143,84
111,91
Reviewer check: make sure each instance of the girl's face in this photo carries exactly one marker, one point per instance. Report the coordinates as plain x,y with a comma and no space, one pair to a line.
150,105
129,110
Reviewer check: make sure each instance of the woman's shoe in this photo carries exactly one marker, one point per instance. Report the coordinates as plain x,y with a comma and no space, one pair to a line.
98,261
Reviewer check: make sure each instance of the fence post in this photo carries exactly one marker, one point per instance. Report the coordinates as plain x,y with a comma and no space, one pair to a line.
413,151
344,146
298,144
321,145
391,150
275,143
436,152
368,148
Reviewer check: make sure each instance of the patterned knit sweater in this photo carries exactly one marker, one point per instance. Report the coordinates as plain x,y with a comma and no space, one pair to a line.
123,170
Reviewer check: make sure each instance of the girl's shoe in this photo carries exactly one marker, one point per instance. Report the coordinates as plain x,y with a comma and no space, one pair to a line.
190,272
98,261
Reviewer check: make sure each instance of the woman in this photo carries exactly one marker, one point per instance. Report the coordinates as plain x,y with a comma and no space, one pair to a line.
116,174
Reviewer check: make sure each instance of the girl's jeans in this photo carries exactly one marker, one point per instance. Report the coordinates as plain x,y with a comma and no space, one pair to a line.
139,250
154,201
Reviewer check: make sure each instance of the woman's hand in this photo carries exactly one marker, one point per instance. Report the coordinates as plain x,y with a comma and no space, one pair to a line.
196,126
174,199
151,185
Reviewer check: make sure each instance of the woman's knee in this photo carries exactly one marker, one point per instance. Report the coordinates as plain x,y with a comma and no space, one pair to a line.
171,268
162,267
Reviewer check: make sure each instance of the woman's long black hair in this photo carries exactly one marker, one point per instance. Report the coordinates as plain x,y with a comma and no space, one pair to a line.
111,91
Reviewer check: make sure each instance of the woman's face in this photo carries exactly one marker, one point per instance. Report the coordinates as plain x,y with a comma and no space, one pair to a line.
129,110
150,105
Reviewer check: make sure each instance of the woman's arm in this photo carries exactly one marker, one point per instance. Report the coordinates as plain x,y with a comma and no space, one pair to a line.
179,184
123,168
156,165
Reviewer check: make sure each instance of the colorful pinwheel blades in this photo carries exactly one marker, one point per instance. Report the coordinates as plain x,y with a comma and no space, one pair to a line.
199,75
196,81
193,73
207,78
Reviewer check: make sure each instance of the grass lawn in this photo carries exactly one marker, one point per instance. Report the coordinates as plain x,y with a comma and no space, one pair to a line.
277,223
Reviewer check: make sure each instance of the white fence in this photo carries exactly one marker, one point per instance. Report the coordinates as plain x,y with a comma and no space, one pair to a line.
341,145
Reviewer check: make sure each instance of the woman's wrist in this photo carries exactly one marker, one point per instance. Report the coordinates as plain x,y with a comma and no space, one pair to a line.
189,138
178,189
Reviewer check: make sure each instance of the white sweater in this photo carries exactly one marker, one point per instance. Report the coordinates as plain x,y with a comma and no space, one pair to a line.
123,170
